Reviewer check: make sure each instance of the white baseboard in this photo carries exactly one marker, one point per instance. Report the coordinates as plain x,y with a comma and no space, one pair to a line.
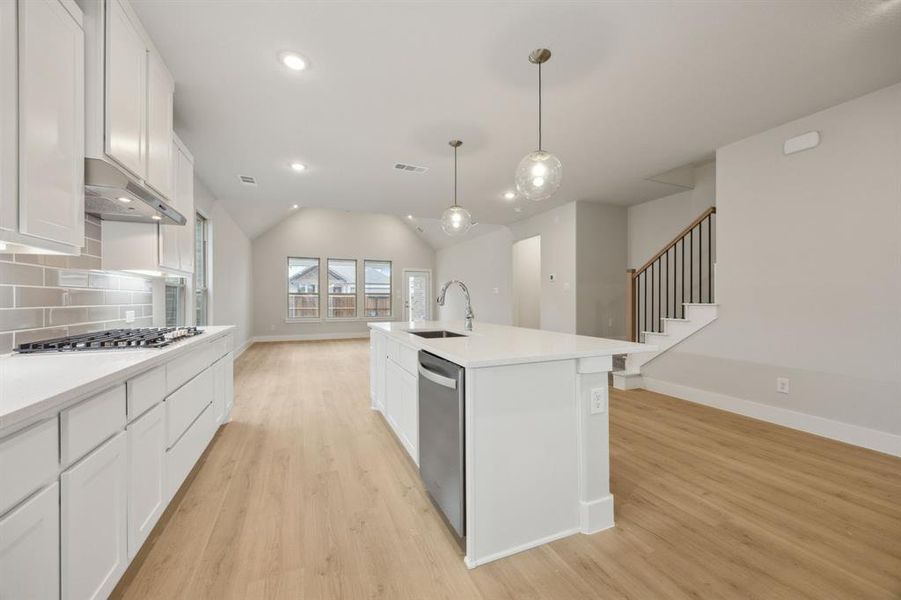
311,337
244,347
473,563
855,435
596,515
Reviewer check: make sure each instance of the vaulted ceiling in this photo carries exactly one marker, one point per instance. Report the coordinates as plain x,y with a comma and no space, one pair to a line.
633,89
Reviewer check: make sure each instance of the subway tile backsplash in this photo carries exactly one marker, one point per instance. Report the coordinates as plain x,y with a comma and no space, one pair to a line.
43,296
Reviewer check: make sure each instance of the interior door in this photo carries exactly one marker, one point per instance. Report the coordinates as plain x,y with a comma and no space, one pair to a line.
417,295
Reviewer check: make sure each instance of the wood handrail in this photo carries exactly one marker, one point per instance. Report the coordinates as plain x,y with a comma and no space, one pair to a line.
676,239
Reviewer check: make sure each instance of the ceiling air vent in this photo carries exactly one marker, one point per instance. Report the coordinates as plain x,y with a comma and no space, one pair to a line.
410,168
247,180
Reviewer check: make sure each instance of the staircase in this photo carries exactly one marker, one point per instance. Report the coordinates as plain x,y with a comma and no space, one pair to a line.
671,296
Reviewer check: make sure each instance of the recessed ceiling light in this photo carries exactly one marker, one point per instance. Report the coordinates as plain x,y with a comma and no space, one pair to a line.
157,218
124,199
509,195
296,166
410,217
293,61
296,206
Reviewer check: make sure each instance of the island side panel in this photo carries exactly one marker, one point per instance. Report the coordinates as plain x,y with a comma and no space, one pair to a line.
522,458
596,502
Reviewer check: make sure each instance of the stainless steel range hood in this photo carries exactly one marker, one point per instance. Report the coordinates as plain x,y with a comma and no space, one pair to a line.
111,194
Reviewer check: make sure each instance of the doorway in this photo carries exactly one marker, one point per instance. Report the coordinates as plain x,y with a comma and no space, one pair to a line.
527,283
417,295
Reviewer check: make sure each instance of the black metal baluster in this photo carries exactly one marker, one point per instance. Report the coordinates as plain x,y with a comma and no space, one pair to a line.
691,265
683,277
666,314
652,298
645,300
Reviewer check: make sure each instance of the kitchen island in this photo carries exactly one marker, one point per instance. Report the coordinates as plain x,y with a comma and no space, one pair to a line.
534,426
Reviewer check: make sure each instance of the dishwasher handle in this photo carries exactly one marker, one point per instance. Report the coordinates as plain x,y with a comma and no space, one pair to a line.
434,377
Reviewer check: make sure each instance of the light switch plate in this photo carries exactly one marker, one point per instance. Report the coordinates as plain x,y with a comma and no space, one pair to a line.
598,400
129,316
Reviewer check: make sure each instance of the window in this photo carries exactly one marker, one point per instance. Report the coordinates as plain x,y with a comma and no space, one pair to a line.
303,288
342,289
201,272
175,301
377,284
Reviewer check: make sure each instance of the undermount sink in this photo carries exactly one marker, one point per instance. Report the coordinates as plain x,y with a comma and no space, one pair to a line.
436,333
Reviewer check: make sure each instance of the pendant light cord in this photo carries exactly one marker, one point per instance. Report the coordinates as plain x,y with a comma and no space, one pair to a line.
455,176
539,107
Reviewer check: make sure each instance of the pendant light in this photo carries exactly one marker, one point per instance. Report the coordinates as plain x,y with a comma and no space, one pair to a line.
539,173
456,220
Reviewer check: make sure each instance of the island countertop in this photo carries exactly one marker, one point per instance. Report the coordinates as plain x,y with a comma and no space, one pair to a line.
489,345
32,384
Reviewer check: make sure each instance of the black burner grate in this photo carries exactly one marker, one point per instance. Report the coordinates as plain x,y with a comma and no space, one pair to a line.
112,339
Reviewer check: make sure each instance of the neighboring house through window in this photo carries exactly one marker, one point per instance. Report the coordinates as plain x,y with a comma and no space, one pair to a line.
342,288
377,288
303,288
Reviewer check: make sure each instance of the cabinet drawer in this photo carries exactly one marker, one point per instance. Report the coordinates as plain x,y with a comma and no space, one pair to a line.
28,460
406,357
186,403
144,391
29,548
85,426
181,370
182,457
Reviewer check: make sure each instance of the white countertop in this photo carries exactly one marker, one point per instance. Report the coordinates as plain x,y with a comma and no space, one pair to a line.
34,384
492,345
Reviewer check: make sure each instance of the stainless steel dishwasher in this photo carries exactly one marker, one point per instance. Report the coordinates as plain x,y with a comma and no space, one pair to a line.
441,437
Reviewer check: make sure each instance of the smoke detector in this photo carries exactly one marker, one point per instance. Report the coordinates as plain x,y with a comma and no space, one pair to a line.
410,168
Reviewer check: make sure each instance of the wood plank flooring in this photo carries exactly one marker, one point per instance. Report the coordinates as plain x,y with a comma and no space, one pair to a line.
307,495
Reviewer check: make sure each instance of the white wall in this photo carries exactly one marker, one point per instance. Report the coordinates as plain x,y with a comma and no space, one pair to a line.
601,250
808,271
231,282
322,233
485,265
527,282
653,224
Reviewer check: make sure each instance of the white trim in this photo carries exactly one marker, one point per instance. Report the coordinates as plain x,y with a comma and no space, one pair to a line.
471,564
307,337
596,515
247,344
872,439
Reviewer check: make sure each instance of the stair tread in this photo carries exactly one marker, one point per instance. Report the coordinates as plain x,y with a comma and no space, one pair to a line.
700,304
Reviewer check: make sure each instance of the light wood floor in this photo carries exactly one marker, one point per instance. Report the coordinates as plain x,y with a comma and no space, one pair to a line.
306,494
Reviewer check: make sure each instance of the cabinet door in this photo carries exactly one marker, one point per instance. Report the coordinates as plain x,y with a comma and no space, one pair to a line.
9,117
400,402
51,123
126,91
184,189
93,548
160,91
29,548
219,390
169,234
229,369
146,476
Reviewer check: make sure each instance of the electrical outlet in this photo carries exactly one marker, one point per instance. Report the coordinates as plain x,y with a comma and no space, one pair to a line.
782,385
598,400
553,277
496,290
129,316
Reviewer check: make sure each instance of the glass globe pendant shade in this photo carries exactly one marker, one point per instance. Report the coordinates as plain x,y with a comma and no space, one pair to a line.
456,220
538,175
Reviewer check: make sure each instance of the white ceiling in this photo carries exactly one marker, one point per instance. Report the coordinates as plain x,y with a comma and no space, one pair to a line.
633,89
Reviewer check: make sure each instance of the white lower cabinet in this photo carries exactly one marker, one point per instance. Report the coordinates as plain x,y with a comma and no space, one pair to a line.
182,457
229,375
93,547
147,494
29,548
402,406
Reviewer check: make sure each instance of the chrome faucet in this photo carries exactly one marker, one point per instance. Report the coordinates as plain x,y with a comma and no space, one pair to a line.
443,293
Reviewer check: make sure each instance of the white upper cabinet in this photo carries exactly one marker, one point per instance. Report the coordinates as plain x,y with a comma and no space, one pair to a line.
42,126
126,91
129,95
184,192
160,93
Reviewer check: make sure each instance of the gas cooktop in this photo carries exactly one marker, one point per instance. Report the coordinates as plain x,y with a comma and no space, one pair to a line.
112,339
